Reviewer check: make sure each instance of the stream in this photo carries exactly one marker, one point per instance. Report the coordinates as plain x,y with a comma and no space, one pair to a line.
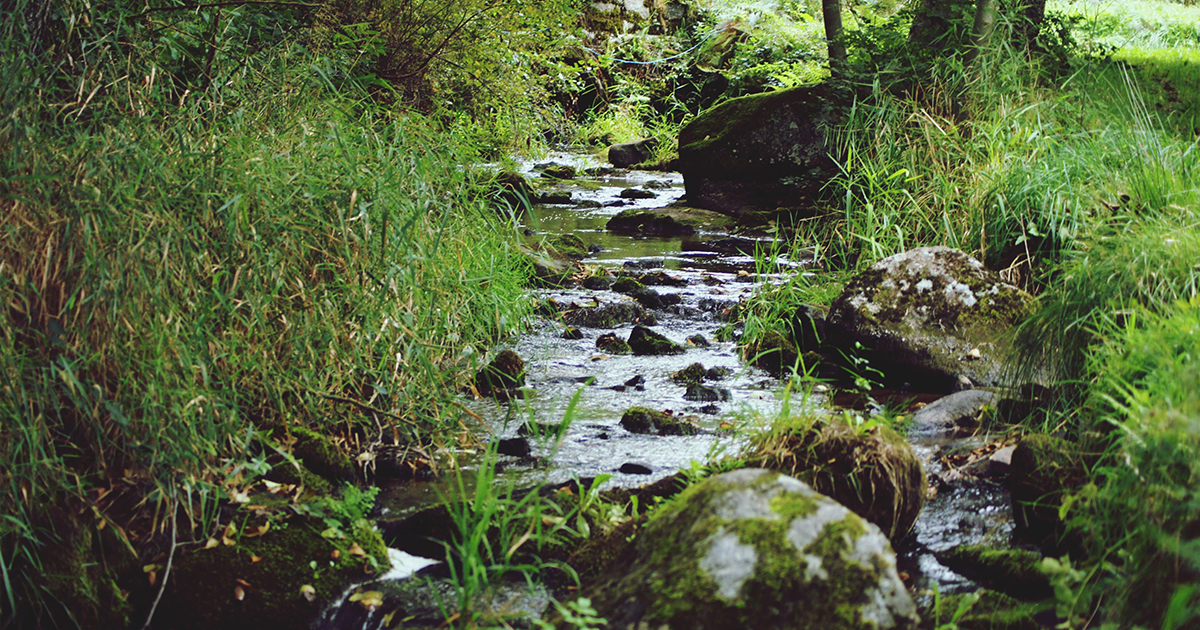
571,381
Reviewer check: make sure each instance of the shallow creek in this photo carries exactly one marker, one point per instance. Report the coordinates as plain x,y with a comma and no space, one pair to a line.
714,272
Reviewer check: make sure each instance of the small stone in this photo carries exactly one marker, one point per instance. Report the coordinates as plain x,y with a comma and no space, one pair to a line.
612,344
638,382
572,332
699,341
644,341
630,468
597,283
693,373
702,393
717,373
636,193
516,447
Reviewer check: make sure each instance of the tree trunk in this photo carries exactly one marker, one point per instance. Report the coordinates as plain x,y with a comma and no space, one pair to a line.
985,22
832,9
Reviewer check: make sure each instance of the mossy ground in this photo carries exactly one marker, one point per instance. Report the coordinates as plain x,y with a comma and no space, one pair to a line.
268,571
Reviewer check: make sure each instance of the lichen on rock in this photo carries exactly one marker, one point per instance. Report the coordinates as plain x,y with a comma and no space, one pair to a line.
756,549
930,316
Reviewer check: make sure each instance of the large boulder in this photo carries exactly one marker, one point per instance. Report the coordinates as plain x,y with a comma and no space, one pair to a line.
930,316
760,152
756,549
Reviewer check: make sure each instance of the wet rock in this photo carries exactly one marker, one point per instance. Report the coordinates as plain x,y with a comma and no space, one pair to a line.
511,189
502,376
772,352
597,283
928,316
568,245
515,447
638,382
717,373
699,341
660,278
655,300
626,154
652,422
693,373
631,468
594,249
609,315
755,549
875,473
612,344
702,393
550,272
644,341
556,171
320,454
1014,572
656,184
573,333
761,152
808,327
950,413
403,462
637,193
671,221
552,197
625,284
711,410
989,610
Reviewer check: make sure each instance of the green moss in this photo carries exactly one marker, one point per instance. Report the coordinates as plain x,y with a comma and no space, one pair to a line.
320,454
80,570
627,285
651,421
792,506
290,555
1015,572
984,610
567,246
693,373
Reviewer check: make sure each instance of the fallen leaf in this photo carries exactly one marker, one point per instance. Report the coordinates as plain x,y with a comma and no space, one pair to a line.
335,554
332,532
255,559
356,550
239,593
212,542
308,592
243,583
368,599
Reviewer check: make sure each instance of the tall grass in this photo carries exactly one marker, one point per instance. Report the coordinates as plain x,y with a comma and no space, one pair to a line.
186,259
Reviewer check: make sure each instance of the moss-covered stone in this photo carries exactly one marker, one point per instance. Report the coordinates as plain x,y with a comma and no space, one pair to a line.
612,344
644,341
568,245
875,473
256,583
670,221
983,610
693,373
502,376
320,454
627,285
754,549
770,351
928,316
650,421
610,315
1016,572
760,152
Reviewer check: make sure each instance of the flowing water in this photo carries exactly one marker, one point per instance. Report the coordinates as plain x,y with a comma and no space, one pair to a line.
571,381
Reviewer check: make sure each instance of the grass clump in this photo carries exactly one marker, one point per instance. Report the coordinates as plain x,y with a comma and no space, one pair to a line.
190,257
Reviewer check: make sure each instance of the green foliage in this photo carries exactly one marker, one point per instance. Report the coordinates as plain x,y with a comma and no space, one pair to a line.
209,229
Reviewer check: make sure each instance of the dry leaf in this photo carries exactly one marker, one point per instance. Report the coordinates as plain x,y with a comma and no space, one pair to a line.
239,593
368,599
212,542
255,559
356,550
308,592
335,554
243,583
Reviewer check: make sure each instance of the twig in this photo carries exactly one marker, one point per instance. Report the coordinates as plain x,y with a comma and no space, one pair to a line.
230,3
167,572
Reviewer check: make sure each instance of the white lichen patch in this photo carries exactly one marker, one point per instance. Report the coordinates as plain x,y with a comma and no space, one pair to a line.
745,503
961,293
924,285
728,562
803,531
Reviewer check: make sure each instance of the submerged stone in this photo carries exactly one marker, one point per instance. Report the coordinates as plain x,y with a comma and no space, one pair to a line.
609,315
612,344
502,376
670,221
653,422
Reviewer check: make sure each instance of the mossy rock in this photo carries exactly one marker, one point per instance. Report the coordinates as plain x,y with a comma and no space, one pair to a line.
569,246
320,454
929,316
771,351
627,285
610,315
984,610
670,221
612,344
875,473
761,152
653,422
653,299
1016,572
206,583
693,373
504,375
756,549
644,341
1042,471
